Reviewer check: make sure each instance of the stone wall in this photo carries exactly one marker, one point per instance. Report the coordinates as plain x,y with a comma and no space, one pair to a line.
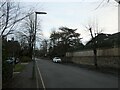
105,57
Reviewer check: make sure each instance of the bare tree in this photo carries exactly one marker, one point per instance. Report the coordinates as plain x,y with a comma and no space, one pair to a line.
10,15
28,32
118,1
107,1
44,47
94,31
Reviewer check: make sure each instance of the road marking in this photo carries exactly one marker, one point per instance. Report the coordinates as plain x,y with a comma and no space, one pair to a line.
40,76
37,80
24,63
16,72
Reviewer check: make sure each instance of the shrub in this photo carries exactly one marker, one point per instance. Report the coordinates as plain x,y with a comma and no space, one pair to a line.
19,67
25,59
7,72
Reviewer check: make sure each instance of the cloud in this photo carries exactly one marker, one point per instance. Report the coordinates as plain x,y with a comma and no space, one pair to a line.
74,15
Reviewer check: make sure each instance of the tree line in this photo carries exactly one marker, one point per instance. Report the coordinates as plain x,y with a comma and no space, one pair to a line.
67,40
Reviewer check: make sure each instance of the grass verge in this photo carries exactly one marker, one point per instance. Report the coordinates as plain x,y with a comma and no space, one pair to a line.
19,67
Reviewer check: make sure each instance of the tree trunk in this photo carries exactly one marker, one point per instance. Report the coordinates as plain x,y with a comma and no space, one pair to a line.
95,58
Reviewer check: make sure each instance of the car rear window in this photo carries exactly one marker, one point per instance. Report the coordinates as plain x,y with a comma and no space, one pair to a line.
57,58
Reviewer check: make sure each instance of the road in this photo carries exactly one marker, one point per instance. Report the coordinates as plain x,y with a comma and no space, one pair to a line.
55,75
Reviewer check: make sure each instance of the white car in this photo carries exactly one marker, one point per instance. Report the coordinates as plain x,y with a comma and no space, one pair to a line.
10,60
57,59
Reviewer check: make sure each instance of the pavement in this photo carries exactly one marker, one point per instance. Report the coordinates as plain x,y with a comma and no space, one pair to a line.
24,79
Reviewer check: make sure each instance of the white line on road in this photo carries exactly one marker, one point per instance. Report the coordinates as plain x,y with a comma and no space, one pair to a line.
37,80
40,76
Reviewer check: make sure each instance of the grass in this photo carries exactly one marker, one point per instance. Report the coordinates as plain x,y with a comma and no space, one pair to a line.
19,67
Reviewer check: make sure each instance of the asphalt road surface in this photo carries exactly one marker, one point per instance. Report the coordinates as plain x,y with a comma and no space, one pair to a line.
55,75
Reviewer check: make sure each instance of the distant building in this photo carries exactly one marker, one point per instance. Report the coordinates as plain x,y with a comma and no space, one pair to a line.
105,41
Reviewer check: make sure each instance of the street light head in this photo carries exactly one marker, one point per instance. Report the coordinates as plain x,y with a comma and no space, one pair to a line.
40,12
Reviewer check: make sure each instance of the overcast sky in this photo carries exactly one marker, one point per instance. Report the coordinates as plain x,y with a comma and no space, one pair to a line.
76,14
80,14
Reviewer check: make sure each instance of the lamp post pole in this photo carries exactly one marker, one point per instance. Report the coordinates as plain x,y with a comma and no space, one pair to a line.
34,43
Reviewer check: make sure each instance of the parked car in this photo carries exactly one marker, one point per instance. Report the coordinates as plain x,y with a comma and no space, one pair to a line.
10,60
57,59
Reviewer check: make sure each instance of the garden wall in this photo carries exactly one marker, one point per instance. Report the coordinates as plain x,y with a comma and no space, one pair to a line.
105,57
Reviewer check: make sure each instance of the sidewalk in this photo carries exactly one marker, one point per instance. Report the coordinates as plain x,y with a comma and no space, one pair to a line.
23,79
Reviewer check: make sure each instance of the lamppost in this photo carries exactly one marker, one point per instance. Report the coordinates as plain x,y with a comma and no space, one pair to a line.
35,41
